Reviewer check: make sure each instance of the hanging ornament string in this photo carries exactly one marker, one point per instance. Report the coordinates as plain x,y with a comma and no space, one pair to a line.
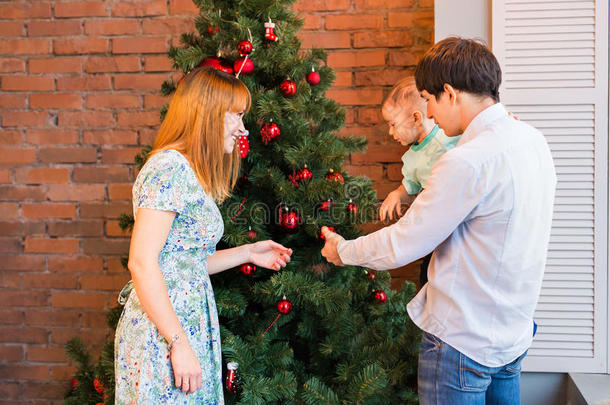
246,58
272,323
241,206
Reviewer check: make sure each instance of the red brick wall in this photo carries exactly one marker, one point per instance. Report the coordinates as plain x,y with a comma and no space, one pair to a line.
79,97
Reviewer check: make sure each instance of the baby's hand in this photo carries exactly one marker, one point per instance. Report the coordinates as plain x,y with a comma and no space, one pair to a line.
391,204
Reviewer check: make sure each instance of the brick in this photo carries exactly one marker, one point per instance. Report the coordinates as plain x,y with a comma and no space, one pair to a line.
354,21
150,45
378,153
155,101
383,189
157,64
19,299
87,119
322,5
426,3
11,316
110,283
113,101
50,317
9,210
25,372
394,172
375,39
63,372
75,264
47,391
356,59
330,40
24,118
68,155
9,228
80,9
25,46
49,281
87,83
105,246
385,77
101,174
110,137
147,136
183,7
120,191
113,64
312,22
46,354
54,28
114,230
51,136
138,119
11,65
404,58
12,101
50,245
167,26
76,228
16,157
12,334
93,319
5,176
9,280
382,4
11,29
350,116
48,210
105,210
9,354
56,65
81,46
22,193
77,300
370,115
418,19
60,336
139,81
33,83
111,27
22,11
141,8
74,192
356,96
11,245
64,101
344,79
123,155
114,265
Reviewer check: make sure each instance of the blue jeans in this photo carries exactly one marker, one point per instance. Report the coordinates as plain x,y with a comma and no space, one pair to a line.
448,377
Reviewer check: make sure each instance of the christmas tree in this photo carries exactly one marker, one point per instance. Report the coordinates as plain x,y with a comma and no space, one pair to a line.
311,333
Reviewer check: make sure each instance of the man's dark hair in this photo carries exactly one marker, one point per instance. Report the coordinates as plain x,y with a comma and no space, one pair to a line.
465,64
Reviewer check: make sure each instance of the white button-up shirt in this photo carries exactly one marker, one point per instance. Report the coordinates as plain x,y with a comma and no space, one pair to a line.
486,212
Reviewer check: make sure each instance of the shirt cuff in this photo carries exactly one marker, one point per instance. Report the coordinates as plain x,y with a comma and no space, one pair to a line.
343,250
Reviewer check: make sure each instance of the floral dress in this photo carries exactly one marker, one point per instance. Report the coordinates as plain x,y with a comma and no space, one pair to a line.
143,369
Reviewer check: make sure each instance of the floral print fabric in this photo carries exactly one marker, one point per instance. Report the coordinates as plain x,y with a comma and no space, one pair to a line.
142,365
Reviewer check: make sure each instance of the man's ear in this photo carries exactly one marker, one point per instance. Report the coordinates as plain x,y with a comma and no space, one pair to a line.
451,93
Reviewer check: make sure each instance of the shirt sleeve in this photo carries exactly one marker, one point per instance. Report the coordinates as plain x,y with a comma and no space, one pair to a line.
162,186
453,190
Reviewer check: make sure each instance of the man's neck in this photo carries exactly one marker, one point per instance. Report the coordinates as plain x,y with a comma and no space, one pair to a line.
471,106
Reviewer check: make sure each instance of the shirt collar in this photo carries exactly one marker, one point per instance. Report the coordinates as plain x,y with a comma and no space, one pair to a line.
482,120
426,140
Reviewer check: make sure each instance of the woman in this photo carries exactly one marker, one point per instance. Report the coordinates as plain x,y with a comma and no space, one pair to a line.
167,346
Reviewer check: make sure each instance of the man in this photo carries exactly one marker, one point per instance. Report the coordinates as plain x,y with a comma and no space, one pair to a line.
486,213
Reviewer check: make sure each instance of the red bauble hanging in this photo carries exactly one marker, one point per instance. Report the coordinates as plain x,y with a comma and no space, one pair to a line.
335,176
243,66
269,34
247,269
321,236
325,205
213,30
74,384
244,48
284,306
313,77
290,221
98,385
231,378
243,145
288,88
252,234
370,274
269,132
301,176
352,208
218,63
380,296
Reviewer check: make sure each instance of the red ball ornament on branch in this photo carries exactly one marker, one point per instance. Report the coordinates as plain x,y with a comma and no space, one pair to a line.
218,63
252,234
284,306
370,274
321,236
288,88
247,269
244,48
243,66
98,385
313,77
269,132
325,205
380,296
352,208
335,176
213,30
301,176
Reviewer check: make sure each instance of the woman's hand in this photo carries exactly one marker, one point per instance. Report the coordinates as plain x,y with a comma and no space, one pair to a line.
187,370
268,254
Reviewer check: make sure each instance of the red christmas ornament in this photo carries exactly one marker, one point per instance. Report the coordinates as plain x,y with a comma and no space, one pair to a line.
352,208
380,296
98,385
290,221
301,176
325,205
330,228
288,88
252,234
231,378
269,34
213,30
335,176
243,66
244,48
371,274
284,306
74,383
313,77
247,269
269,132
218,63
243,145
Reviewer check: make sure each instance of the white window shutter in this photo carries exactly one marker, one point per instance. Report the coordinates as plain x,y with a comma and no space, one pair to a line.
554,58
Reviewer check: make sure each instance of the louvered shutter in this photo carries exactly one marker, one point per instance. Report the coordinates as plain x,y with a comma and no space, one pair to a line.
554,56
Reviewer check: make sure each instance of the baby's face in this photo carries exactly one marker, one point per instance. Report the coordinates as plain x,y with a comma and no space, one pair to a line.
400,122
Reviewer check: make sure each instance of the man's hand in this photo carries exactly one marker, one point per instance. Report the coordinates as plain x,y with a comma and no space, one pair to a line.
329,251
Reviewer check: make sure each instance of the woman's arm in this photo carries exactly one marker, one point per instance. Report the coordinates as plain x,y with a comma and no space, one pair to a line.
265,253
